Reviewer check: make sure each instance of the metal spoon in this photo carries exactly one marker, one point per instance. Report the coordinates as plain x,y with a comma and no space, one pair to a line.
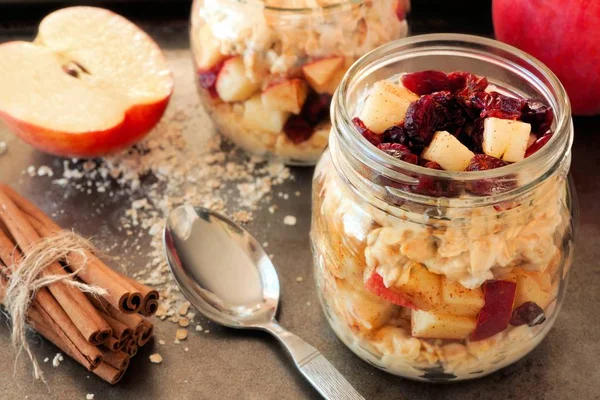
225,273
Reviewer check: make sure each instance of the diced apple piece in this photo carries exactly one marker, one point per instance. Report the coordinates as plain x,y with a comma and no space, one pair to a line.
207,48
518,143
331,85
448,151
423,288
232,82
498,133
458,300
430,325
319,72
259,117
493,318
376,286
287,95
367,310
386,106
532,286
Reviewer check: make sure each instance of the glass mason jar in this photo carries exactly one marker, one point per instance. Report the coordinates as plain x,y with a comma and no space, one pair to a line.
428,234
266,69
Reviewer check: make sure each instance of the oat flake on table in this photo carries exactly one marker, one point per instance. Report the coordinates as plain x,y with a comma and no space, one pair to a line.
170,167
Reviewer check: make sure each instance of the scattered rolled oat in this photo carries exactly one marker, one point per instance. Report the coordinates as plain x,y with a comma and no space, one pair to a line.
299,279
273,208
184,322
45,171
184,308
186,349
161,341
181,334
266,244
89,396
156,358
289,220
242,216
206,331
198,328
176,341
46,359
57,359
298,194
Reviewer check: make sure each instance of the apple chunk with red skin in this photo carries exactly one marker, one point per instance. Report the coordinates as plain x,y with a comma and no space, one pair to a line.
318,73
376,286
499,297
91,84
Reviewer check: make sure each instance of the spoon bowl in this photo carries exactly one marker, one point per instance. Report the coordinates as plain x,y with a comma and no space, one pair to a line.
221,268
225,273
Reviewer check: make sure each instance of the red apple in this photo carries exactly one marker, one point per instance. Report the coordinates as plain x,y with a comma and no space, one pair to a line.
91,84
563,34
499,297
376,286
286,95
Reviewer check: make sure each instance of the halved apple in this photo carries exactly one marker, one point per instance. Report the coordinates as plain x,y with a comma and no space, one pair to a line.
386,106
287,95
493,318
91,84
319,72
433,325
232,82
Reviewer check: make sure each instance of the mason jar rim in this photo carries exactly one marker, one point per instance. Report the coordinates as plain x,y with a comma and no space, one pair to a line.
329,7
344,129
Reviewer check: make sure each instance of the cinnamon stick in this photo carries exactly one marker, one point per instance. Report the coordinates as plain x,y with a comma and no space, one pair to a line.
119,329
109,373
121,293
72,300
116,359
150,304
48,309
115,344
131,347
146,333
134,321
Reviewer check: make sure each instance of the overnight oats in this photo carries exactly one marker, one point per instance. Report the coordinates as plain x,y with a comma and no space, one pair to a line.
443,219
267,69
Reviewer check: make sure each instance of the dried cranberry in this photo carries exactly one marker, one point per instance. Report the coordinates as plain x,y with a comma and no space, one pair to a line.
396,134
472,135
527,313
538,144
400,12
426,82
466,80
398,151
497,105
486,187
316,107
368,134
472,96
539,115
436,187
297,129
453,116
483,162
431,165
208,79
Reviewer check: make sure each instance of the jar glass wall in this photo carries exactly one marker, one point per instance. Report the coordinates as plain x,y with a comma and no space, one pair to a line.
266,69
430,235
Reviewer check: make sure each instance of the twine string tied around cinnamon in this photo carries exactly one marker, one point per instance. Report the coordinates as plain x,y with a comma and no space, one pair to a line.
25,280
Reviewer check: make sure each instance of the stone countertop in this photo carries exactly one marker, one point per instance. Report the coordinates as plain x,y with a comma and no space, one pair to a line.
227,364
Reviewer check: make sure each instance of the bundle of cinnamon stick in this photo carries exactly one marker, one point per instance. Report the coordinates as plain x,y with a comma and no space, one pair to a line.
102,333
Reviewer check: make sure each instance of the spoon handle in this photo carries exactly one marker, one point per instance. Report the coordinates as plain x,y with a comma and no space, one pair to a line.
314,366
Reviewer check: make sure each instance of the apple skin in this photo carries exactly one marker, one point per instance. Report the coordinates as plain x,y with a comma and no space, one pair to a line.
493,318
376,286
564,35
138,121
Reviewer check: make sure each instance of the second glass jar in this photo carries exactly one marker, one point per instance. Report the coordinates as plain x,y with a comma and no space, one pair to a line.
267,69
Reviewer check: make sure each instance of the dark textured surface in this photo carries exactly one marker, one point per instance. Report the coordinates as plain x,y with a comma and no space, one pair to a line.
226,364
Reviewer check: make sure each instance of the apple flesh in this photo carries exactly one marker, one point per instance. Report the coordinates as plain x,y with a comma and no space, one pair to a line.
533,287
386,106
564,35
288,95
499,296
262,118
434,325
446,150
458,300
91,84
232,83
376,286
319,73
422,289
